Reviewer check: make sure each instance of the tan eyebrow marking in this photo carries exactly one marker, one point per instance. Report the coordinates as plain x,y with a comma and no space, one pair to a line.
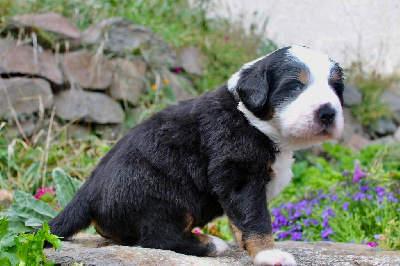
303,76
336,76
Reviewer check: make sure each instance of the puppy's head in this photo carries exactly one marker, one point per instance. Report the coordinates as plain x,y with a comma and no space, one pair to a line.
294,95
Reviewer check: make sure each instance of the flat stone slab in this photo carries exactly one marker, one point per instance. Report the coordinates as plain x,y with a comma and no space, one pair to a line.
95,250
88,106
25,60
25,95
89,72
51,22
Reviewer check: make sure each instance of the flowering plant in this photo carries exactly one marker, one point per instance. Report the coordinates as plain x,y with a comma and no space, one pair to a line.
48,195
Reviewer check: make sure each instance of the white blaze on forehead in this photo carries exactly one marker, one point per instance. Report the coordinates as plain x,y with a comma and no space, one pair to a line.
318,63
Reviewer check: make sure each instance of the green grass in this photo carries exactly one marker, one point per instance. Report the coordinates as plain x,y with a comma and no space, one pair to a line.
371,86
24,167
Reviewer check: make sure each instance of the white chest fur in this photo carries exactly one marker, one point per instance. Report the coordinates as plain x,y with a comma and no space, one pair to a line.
283,173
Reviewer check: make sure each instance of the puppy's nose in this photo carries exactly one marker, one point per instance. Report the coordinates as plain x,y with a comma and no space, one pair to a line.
326,115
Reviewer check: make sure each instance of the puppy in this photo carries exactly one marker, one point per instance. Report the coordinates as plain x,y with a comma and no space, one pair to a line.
227,151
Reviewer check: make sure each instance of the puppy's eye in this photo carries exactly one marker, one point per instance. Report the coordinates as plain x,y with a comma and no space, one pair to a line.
298,87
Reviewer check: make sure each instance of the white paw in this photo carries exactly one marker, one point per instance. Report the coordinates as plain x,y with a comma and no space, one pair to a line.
220,245
274,257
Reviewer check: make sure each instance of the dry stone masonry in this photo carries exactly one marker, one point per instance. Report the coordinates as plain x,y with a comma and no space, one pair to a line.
89,76
94,75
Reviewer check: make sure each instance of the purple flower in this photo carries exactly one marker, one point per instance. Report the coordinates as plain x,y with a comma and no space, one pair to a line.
296,236
377,236
314,201
379,199
326,233
364,188
378,219
345,206
358,174
325,222
296,227
308,211
226,38
345,173
314,222
328,212
301,205
392,199
296,215
380,191
359,196
370,197
289,206
306,222
282,235
334,198
275,211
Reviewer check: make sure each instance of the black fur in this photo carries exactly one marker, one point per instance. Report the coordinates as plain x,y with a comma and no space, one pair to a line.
188,164
200,157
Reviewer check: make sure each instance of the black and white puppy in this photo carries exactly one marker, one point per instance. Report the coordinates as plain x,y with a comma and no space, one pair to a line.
227,151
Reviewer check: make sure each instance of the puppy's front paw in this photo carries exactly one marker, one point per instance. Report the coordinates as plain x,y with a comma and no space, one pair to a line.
274,257
220,245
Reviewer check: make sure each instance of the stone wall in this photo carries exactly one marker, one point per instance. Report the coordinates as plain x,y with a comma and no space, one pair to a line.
91,77
88,77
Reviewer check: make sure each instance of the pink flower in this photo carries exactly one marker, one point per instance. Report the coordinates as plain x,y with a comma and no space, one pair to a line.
358,174
372,244
197,231
40,192
226,38
177,69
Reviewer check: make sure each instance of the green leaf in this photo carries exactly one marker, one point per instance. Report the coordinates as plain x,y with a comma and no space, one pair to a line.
5,262
26,213
33,222
66,186
36,205
3,227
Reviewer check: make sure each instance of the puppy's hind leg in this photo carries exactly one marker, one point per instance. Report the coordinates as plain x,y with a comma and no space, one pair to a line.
188,243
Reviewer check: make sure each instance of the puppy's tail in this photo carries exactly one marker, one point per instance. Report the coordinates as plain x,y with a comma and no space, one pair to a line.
73,218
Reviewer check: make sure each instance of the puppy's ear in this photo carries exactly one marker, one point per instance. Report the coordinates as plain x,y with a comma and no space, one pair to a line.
252,88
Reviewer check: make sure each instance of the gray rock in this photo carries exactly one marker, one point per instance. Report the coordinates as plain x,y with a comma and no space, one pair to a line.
351,96
25,95
50,22
89,72
121,36
384,127
190,60
110,132
181,87
94,250
383,140
357,142
23,60
392,99
397,134
128,82
93,107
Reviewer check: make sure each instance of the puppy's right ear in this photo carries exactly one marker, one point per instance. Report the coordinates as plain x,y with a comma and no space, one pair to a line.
250,86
